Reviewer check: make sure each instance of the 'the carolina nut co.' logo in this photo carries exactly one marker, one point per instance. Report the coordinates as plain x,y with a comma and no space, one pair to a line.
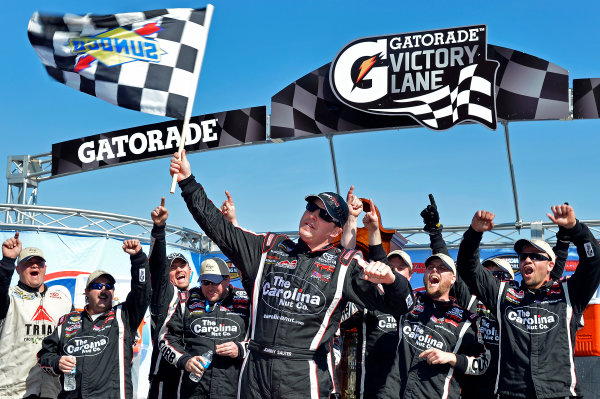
439,77
422,337
213,328
278,293
86,346
532,320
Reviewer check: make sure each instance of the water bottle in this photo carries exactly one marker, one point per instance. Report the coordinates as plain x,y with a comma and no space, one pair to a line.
207,360
70,383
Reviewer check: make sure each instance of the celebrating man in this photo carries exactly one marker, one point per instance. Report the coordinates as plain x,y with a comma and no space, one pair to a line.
298,291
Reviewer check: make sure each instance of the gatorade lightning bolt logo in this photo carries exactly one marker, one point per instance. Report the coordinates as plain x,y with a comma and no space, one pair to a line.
117,46
365,67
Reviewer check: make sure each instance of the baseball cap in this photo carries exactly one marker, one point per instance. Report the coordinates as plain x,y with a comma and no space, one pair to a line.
444,258
175,255
539,244
501,263
213,269
404,256
99,273
29,253
335,205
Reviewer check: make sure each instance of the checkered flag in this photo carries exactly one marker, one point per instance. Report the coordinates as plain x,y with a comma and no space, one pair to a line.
143,61
472,98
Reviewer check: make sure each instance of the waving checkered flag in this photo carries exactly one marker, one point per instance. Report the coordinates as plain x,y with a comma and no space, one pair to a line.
145,61
471,98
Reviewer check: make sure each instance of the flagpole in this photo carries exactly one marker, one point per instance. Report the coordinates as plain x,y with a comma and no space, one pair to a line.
190,105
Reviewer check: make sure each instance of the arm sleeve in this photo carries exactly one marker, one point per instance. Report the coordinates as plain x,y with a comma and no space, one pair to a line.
50,354
396,298
480,281
461,293
561,250
377,253
472,357
162,289
437,243
138,298
7,268
584,282
242,247
171,342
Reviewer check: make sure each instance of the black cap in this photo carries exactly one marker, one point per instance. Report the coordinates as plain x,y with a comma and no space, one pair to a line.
335,206
175,255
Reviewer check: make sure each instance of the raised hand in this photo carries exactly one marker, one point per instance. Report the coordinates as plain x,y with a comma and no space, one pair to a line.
181,166
228,209
378,273
160,214
132,247
12,247
483,221
355,205
371,220
563,216
431,217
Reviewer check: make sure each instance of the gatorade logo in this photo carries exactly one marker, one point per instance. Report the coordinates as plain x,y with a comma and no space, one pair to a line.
532,320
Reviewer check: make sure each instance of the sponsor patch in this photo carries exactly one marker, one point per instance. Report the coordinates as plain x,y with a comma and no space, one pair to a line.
210,327
386,323
589,249
531,320
422,337
409,301
287,264
294,296
75,318
142,276
285,246
489,331
86,346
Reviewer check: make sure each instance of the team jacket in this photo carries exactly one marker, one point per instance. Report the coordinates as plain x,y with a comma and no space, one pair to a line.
297,295
376,350
164,297
442,325
199,326
26,318
537,327
103,347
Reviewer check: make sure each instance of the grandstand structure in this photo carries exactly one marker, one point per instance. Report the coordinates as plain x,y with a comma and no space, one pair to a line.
20,212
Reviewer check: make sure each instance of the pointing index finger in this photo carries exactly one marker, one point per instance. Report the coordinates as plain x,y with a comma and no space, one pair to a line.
228,195
432,201
162,201
350,193
16,235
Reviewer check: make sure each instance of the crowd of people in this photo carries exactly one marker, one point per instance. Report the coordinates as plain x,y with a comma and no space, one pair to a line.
472,332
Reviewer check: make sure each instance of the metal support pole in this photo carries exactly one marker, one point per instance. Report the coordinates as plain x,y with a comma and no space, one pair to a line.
337,183
519,222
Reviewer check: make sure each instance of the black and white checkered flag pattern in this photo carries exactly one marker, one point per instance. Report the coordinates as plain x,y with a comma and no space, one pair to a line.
162,86
471,99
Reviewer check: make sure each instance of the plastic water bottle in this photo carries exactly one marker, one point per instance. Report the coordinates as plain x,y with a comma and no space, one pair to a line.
207,357
70,383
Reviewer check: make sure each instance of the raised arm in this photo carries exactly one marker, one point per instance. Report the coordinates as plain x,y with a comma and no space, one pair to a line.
355,207
11,249
243,248
432,225
138,298
228,209
371,222
479,280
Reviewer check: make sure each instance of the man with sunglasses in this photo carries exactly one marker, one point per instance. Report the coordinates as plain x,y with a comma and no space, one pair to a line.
298,291
29,312
212,317
98,341
539,318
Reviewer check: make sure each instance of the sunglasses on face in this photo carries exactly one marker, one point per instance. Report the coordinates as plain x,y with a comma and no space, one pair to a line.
207,283
532,256
311,207
98,286
502,275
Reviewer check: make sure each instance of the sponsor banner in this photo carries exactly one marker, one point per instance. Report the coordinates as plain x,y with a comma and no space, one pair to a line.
211,131
586,98
440,77
526,88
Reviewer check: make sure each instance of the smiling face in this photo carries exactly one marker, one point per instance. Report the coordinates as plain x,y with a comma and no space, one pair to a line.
534,273
99,301
215,292
316,232
180,274
438,279
32,272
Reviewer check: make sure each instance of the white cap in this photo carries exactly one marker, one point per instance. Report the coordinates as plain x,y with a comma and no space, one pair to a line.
404,256
444,258
539,244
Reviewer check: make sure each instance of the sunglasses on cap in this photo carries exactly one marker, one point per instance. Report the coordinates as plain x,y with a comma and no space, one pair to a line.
98,286
533,256
502,275
311,207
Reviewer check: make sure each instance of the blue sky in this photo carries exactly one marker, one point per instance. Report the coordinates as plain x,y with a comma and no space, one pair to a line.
257,48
